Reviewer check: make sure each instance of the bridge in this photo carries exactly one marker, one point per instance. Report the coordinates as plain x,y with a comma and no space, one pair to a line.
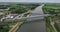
35,17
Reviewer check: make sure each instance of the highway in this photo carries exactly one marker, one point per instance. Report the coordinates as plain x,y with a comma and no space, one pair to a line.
35,24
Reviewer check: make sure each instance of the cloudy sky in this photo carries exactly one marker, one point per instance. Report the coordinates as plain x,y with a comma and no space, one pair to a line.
53,1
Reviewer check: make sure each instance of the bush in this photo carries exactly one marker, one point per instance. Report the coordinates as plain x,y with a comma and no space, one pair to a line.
57,27
4,28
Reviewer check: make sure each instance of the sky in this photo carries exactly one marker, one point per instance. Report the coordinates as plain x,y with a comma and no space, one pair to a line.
50,1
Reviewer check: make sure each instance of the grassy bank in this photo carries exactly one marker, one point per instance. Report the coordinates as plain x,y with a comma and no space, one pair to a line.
49,27
15,28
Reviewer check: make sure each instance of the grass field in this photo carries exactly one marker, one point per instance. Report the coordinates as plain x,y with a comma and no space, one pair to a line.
53,10
52,6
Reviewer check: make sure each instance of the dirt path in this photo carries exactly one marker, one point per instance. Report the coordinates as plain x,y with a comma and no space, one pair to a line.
52,23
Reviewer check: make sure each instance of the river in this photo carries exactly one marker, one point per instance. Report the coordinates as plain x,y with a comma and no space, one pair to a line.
37,25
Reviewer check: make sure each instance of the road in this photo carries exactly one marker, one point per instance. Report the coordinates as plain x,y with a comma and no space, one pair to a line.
36,25
16,18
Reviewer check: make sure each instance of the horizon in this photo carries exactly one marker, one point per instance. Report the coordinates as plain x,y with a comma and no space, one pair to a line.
31,1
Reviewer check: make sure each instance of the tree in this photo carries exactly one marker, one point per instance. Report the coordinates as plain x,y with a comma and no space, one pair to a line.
19,9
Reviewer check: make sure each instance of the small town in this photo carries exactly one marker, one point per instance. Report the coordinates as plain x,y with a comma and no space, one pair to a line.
29,17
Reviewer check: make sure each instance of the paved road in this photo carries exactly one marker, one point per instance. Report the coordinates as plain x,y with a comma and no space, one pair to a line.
36,24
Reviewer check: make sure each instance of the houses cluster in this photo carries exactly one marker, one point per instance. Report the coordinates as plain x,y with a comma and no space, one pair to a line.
8,17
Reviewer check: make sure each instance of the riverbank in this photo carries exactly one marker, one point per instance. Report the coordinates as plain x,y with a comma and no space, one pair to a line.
49,26
15,28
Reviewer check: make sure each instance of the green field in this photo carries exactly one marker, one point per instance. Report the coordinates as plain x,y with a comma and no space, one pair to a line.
51,9
55,11
52,6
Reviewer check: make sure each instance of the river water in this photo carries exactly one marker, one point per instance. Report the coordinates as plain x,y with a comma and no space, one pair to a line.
36,25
